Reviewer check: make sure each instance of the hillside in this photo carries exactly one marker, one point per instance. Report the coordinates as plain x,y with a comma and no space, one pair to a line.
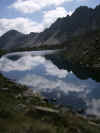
20,113
84,49
82,20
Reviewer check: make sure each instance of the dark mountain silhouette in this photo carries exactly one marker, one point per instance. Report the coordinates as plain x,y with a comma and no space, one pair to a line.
83,20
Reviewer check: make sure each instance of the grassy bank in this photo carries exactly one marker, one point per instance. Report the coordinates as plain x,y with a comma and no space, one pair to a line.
20,113
24,112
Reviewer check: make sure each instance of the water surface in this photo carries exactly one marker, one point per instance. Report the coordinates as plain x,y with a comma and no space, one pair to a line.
54,78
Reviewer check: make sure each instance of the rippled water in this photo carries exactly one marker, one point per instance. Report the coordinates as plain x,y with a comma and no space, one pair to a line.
53,81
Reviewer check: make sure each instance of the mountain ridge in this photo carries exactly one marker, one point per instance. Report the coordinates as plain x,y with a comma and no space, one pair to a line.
63,29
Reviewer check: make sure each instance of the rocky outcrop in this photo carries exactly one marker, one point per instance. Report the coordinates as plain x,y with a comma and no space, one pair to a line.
84,19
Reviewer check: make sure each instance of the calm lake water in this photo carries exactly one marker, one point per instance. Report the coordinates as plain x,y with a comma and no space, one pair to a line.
48,73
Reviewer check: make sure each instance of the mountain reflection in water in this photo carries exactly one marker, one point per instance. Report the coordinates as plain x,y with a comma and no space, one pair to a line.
54,77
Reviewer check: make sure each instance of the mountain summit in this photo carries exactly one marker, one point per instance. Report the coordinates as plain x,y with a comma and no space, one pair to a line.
82,20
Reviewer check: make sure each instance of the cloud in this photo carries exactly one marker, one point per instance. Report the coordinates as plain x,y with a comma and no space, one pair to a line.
43,76
21,24
51,15
30,6
26,25
24,63
43,84
52,69
93,107
28,62
81,0
40,73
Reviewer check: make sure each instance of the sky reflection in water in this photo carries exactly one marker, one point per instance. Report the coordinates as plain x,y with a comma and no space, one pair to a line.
43,76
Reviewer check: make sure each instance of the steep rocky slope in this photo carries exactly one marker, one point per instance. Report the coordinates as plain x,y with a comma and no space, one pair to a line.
84,49
82,20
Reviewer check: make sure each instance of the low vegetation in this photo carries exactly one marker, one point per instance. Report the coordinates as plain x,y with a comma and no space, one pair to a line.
23,113
20,113
2,52
85,49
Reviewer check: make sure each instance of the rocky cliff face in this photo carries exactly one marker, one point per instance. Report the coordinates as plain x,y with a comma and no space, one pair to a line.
85,50
82,20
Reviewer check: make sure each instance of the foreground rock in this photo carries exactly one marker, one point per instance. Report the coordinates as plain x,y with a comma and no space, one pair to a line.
21,113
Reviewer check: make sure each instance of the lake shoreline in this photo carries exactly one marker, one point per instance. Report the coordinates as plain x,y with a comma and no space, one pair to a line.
17,105
41,106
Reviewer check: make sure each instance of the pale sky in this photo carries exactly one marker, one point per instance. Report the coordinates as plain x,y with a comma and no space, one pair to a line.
35,15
